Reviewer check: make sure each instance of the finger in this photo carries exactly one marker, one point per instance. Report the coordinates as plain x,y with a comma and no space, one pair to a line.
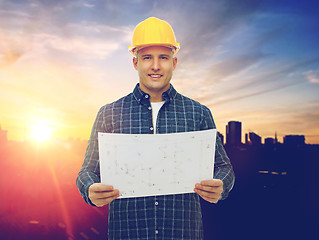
207,194
217,190
103,195
212,183
206,188
209,199
103,201
212,198
99,187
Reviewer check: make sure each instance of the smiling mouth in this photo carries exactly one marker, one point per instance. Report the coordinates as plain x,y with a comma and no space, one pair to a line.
155,75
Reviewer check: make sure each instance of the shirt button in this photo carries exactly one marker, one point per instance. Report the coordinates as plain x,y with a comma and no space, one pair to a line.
151,128
156,231
149,108
146,96
156,203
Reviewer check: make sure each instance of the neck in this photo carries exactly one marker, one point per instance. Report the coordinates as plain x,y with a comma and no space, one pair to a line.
155,95
156,98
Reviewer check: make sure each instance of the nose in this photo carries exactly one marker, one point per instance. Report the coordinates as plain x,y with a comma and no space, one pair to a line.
156,65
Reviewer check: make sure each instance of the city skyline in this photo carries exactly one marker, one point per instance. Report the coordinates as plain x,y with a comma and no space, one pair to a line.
41,200
263,140
234,136
255,61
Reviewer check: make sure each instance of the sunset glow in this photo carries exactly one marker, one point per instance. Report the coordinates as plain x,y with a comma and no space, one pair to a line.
251,61
67,62
41,132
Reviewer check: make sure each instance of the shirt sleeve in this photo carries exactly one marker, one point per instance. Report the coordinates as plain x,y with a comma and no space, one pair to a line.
90,171
223,169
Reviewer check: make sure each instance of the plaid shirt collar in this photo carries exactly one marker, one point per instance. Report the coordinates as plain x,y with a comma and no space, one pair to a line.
143,97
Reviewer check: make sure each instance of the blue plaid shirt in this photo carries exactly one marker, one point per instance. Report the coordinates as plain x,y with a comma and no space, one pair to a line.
155,217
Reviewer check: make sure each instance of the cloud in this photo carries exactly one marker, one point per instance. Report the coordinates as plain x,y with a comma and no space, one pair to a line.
82,47
303,119
83,40
203,27
312,76
229,67
88,5
211,23
251,94
32,30
278,73
228,52
241,83
10,52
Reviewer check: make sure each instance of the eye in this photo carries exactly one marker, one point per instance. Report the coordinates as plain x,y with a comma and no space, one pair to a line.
164,57
146,57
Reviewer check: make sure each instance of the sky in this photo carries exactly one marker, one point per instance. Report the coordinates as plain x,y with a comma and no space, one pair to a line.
253,61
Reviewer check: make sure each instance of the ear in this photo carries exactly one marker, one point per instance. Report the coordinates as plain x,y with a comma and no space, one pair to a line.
135,62
174,62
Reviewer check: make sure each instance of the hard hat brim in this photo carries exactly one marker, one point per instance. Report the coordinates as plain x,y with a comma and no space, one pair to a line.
134,49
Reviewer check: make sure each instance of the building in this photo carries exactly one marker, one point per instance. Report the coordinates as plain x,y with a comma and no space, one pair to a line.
254,139
276,139
269,141
233,133
294,140
221,137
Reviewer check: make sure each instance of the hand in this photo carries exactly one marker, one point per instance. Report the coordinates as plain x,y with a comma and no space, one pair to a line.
101,195
210,190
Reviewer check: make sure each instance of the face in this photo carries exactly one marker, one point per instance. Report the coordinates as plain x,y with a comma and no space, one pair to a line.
155,66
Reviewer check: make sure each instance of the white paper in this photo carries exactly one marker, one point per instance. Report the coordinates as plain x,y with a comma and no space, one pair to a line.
156,164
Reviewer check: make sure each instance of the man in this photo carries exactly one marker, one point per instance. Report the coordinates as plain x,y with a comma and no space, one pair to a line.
154,106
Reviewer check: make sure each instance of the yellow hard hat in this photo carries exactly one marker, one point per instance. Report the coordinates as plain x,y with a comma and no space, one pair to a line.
153,31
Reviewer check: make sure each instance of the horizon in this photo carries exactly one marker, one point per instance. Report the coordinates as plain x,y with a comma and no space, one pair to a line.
255,61
39,139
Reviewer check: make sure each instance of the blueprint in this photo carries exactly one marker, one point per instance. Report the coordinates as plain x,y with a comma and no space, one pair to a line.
156,164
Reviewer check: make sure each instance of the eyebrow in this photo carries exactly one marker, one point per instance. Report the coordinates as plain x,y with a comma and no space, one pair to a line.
161,55
164,55
146,55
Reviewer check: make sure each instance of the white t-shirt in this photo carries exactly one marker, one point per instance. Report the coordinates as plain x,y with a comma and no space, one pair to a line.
156,106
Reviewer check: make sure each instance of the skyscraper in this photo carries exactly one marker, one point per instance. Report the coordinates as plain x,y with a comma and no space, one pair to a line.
254,138
233,133
294,140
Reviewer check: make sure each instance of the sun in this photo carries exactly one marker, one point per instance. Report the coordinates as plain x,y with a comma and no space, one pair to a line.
41,132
